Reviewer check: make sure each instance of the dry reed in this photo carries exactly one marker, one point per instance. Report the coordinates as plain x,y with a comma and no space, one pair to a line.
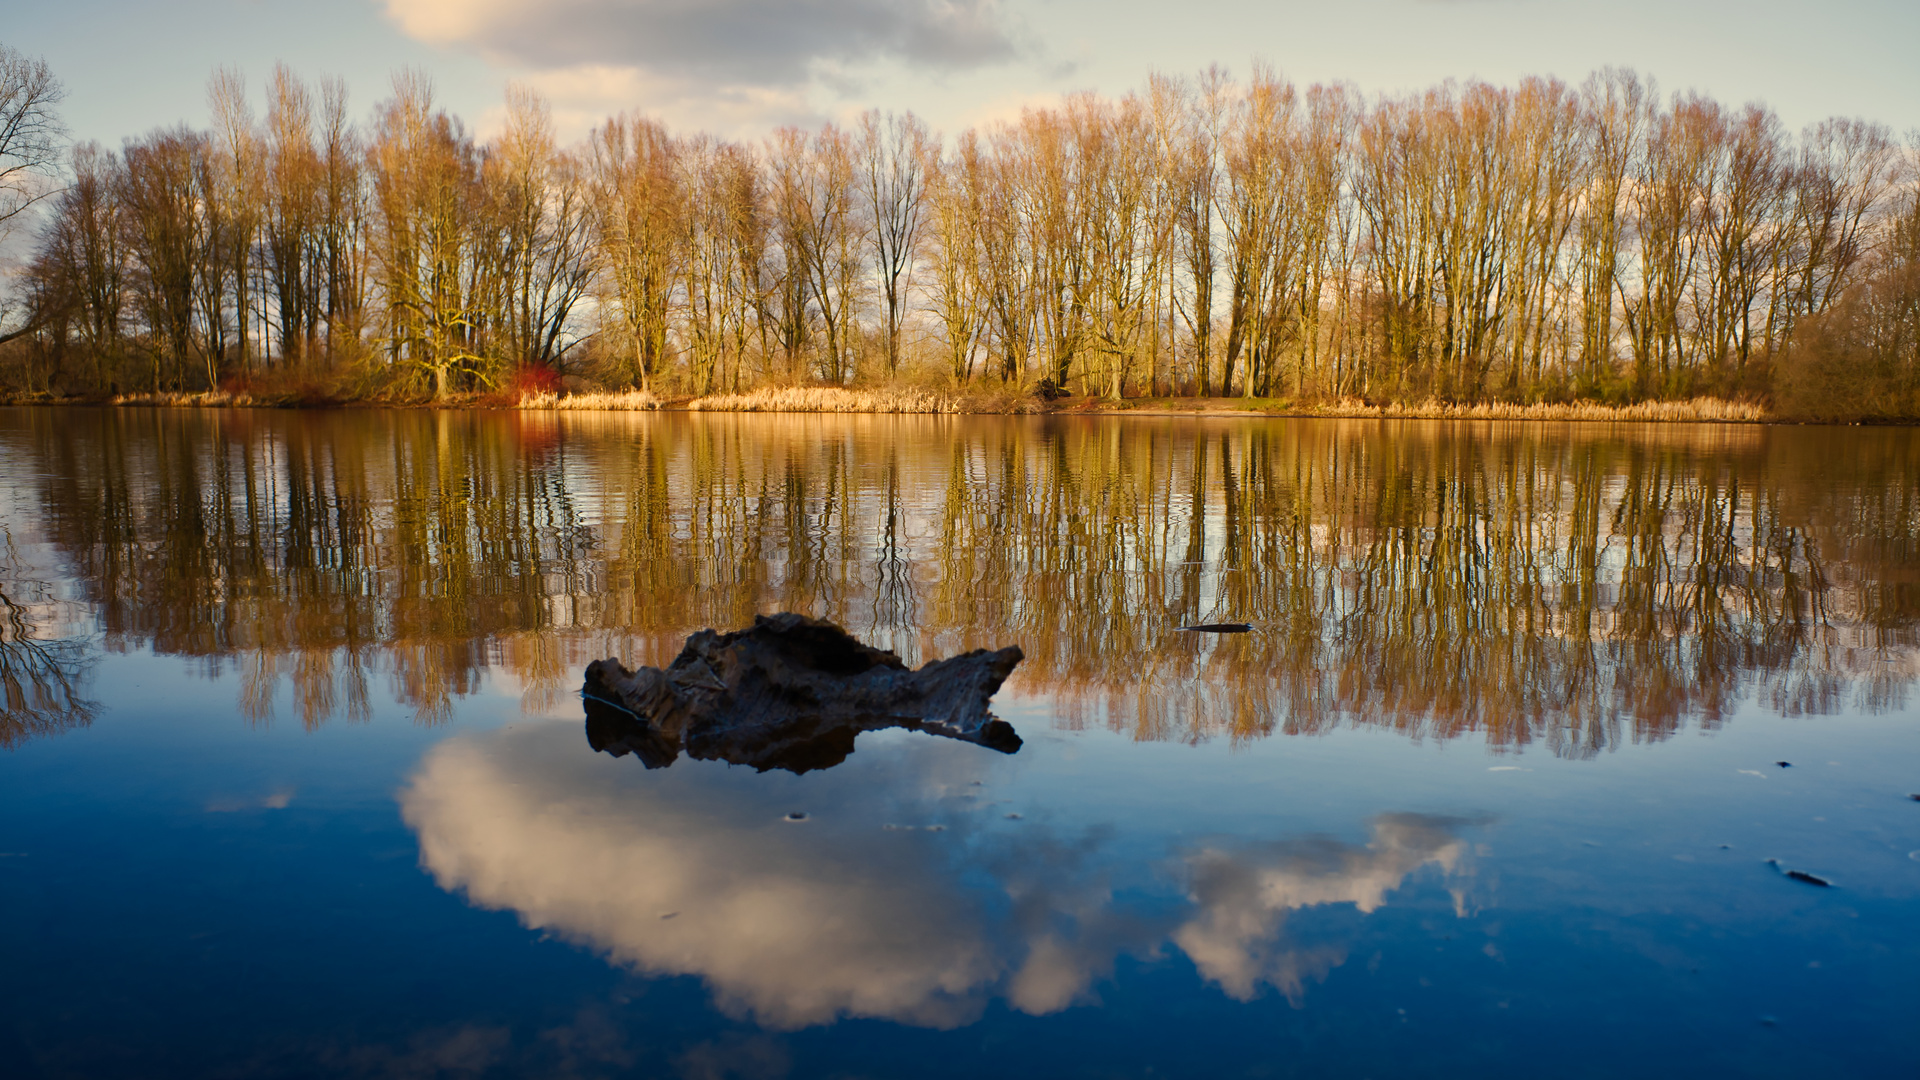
796,399
833,399
203,399
1700,409
621,401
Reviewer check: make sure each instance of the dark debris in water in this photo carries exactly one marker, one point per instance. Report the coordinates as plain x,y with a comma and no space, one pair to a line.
1784,764
1218,628
1801,875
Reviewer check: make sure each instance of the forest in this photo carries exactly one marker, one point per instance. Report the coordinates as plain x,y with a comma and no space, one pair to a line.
1202,236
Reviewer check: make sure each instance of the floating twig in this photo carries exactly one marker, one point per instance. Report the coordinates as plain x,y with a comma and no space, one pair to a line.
1801,875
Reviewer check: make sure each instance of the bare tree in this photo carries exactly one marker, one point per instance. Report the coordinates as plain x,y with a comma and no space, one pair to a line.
641,214
32,138
540,206
741,186
893,153
833,239
1841,181
1124,237
343,225
1615,110
236,189
166,240
426,193
711,272
32,141
294,204
815,196
956,287
1261,246
78,275
1010,248
1749,174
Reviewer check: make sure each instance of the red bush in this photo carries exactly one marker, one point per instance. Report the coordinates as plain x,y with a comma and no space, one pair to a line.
533,379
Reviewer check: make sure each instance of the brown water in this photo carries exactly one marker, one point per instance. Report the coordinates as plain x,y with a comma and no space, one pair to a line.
270,666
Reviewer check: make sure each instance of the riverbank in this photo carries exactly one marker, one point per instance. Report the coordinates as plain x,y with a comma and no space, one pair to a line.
1696,410
920,400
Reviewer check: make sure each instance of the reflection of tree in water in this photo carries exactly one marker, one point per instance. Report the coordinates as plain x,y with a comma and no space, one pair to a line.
41,677
1571,585
1576,585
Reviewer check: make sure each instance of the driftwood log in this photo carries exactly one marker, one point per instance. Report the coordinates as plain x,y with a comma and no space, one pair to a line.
790,693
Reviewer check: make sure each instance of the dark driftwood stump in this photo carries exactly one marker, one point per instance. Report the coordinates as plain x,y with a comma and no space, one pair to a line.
789,693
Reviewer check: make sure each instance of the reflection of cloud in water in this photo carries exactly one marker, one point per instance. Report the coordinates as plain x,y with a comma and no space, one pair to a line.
696,871
795,922
278,800
1243,896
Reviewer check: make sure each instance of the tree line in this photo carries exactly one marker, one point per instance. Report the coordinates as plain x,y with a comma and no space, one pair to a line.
1205,236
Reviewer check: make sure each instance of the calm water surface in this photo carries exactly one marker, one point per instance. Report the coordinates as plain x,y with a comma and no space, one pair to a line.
1505,781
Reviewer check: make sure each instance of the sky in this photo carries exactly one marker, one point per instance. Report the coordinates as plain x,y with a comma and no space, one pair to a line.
739,68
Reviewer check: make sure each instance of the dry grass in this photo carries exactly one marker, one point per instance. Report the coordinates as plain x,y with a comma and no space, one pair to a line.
832,399
623,401
204,399
910,399
1696,410
797,399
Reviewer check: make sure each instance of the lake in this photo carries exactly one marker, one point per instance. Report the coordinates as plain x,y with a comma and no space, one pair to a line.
1568,750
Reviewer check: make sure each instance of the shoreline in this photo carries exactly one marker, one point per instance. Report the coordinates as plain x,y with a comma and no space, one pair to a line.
894,401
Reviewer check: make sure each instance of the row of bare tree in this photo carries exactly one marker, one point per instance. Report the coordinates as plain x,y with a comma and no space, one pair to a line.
1205,236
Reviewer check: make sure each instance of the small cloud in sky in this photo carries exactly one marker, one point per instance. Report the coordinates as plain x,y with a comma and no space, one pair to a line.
733,68
752,42
584,96
1007,108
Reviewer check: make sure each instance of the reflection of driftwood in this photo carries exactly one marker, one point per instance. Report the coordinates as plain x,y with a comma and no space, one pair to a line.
789,693
1801,875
